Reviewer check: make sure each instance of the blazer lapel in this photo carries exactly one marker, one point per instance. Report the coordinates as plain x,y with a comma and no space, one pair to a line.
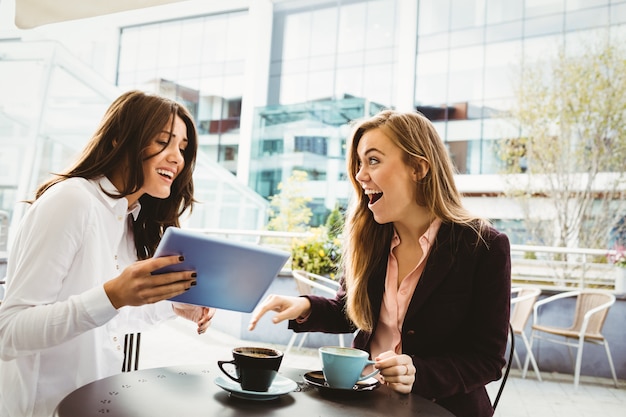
437,267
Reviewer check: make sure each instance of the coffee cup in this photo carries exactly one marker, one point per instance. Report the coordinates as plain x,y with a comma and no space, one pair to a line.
343,366
255,367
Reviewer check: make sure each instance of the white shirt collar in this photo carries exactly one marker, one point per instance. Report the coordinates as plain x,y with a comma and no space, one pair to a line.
118,205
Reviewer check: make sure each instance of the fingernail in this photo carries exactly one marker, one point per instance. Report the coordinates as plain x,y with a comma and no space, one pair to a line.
186,289
181,258
193,275
194,283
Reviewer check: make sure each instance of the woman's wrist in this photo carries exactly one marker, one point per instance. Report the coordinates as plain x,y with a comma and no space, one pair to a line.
306,313
109,290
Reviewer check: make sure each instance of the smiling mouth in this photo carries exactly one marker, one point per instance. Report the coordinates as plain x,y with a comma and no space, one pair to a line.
166,174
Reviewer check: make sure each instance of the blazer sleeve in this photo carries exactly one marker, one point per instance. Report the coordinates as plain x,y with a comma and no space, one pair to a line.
327,315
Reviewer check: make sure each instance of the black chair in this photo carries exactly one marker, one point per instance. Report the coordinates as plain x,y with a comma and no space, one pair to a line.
132,343
507,369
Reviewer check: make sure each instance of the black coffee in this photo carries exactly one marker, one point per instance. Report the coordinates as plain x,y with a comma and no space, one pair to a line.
258,355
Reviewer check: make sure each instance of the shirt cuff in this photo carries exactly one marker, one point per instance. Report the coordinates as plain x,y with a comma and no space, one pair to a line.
97,304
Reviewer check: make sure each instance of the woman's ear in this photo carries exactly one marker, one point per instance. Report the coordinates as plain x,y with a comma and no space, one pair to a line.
420,169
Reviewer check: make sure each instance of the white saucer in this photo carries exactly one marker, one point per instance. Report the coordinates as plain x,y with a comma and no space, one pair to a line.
280,386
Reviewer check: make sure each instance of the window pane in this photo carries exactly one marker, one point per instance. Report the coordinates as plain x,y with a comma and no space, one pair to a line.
466,14
434,16
352,20
466,75
504,11
544,25
432,69
588,18
503,32
501,62
297,36
324,26
543,7
380,25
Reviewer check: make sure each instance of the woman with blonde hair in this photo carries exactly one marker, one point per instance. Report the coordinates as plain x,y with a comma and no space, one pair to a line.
426,283
79,273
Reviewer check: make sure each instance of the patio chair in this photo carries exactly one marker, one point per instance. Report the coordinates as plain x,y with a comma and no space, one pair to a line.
522,301
592,307
132,343
507,368
306,283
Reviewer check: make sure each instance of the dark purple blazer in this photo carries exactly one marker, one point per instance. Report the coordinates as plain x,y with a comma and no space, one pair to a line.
456,325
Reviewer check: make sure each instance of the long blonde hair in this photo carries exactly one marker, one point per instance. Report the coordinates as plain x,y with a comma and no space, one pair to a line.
367,243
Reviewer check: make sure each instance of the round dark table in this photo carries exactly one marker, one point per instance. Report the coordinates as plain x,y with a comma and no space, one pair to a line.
190,390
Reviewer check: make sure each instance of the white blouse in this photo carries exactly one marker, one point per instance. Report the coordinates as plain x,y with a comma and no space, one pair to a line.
58,329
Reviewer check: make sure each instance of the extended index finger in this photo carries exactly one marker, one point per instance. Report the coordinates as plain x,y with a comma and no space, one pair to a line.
267,305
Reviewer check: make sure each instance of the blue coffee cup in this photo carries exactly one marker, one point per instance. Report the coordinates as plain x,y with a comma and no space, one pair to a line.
343,366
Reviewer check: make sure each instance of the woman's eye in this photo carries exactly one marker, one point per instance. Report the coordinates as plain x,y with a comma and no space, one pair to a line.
373,161
162,142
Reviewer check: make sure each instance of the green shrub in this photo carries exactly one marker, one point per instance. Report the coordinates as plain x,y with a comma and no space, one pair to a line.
319,253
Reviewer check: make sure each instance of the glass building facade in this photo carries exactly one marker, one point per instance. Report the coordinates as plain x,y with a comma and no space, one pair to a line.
469,57
49,104
274,85
200,61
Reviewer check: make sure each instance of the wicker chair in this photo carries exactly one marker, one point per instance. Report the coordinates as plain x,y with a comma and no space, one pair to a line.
590,313
522,301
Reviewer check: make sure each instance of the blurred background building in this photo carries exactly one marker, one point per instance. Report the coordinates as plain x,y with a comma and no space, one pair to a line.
274,85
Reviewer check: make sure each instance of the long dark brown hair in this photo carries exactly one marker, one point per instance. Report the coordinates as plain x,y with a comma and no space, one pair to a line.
128,127
367,243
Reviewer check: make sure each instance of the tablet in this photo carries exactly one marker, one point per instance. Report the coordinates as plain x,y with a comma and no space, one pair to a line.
232,275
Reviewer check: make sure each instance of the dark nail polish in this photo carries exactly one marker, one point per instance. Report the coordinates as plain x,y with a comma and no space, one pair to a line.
186,289
193,283
181,258
193,275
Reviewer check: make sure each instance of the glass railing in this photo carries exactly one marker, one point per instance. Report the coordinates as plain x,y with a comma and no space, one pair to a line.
550,268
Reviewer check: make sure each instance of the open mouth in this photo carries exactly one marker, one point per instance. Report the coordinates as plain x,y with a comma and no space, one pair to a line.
374,196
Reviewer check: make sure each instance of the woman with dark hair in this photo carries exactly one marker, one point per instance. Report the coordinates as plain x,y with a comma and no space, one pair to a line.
79,274
426,283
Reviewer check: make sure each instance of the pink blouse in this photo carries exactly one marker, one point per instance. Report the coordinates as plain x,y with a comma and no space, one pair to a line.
396,299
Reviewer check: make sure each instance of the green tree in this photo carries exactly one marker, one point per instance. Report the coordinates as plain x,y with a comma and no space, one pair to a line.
320,251
334,222
570,114
289,211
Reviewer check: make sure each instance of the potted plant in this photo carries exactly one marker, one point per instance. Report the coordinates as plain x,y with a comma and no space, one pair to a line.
318,253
